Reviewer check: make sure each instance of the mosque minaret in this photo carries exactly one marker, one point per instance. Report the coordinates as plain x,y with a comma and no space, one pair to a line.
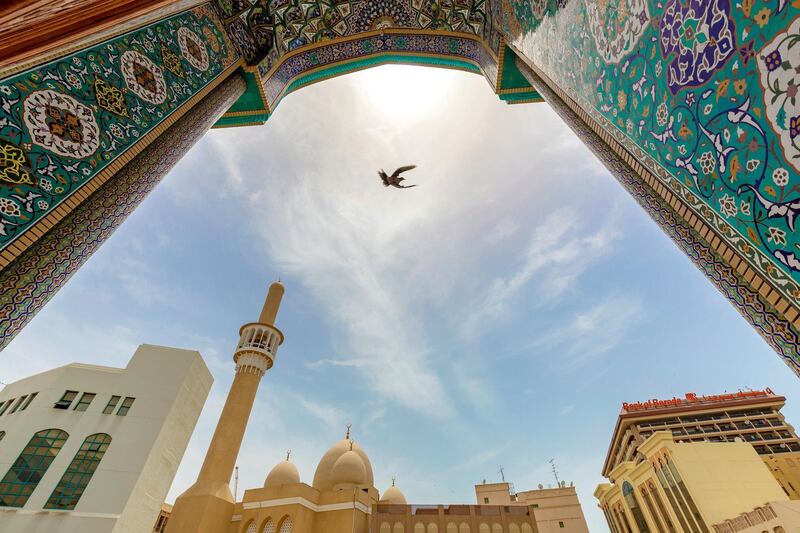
207,505
342,497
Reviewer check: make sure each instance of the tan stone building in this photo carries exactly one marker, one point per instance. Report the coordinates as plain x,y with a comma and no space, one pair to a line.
555,510
693,487
342,497
751,416
725,462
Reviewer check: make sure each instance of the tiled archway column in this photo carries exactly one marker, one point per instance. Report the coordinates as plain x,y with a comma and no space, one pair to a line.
775,318
33,278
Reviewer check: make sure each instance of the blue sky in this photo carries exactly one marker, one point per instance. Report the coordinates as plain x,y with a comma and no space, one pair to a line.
498,314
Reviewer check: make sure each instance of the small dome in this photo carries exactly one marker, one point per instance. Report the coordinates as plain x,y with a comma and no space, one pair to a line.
393,495
284,473
348,471
323,477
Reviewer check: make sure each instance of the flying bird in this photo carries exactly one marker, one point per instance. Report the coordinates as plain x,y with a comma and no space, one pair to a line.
395,179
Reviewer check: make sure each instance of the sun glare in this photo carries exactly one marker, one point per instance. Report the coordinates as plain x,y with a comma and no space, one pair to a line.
406,91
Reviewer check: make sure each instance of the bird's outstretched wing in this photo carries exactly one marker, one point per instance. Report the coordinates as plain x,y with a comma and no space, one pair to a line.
405,186
383,177
403,169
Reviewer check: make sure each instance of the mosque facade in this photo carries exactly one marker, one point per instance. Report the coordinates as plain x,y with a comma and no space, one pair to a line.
342,497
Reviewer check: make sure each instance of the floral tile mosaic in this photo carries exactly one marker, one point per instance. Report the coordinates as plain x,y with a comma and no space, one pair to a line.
62,123
707,88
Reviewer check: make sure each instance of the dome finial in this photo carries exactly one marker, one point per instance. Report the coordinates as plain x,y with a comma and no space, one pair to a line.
351,444
288,454
393,480
347,435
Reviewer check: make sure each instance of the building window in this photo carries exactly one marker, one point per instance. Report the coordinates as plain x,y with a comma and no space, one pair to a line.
668,490
26,472
251,527
2,434
28,401
633,505
269,526
66,400
79,472
6,406
286,525
485,499
16,405
112,403
84,402
126,406
561,525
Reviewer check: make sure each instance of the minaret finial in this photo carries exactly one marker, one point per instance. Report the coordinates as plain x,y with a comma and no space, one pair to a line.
347,435
288,454
271,304
393,480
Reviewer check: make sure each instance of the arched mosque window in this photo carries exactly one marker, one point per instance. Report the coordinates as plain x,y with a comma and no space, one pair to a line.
79,472
21,479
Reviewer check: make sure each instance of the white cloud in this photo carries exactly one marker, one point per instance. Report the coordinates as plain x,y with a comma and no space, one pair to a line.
594,332
329,415
560,250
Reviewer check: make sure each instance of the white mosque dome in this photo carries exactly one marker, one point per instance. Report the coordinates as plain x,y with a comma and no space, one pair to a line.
393,495
284,473
348,471
323,477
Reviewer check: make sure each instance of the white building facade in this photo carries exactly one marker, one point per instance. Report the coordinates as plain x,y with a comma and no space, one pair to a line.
94,449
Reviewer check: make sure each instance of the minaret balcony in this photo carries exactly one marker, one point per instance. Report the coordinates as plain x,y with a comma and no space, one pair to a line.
258,345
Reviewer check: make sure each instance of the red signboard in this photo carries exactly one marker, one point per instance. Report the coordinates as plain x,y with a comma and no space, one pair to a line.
691,398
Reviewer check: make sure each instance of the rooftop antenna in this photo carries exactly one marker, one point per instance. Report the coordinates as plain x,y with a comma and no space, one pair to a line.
235,483
555,471
502,474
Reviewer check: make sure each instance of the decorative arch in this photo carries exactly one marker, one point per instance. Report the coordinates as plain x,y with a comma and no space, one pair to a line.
484,528
419,527
286,525
497,528
398,528
386,527
752,260
464,528
526,528
452,527
268,526
24,475
433,528
250,527
79,472
513,528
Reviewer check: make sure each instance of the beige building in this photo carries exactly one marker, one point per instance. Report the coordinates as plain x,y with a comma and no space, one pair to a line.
554,510
685,486
94,449
342,497
751,416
